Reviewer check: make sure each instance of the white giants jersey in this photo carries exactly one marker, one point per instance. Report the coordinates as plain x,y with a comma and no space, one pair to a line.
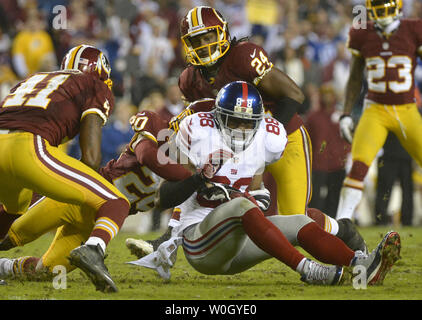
199,137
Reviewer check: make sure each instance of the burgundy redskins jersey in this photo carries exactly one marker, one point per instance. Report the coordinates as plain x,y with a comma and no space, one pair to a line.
52,104
244,61
390,62
135,180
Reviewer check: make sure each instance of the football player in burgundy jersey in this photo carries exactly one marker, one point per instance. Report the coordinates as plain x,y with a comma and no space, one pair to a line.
39,114
216,60
387,49
136,173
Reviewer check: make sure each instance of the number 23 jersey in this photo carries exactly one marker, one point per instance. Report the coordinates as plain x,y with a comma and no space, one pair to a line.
199,137
390,62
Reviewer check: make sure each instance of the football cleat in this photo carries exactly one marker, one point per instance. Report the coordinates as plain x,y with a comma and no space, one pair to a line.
379,262
139,248
6,267
318,274
3,283
90,259
351,237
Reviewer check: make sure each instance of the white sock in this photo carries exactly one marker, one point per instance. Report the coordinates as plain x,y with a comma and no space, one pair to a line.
331,225
93,241
6,267
301,265
349,200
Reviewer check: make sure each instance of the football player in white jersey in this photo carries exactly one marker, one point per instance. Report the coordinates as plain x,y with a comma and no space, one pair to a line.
223,229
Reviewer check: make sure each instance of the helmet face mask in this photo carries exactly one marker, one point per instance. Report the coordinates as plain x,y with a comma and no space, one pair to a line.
205,36
88,59
238,113
384,12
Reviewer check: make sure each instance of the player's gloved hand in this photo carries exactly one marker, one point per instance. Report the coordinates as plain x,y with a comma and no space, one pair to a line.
174,122
215,192
346,127
262,197
214,163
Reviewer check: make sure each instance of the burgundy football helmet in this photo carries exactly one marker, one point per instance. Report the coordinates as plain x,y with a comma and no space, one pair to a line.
202,20
88,59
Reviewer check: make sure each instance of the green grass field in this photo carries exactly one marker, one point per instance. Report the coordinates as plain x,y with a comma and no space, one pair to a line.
270,280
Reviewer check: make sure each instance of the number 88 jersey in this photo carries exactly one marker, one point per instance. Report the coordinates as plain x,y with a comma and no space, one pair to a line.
199,137
390,61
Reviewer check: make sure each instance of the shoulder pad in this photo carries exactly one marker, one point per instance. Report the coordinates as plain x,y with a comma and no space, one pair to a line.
275,136
202,105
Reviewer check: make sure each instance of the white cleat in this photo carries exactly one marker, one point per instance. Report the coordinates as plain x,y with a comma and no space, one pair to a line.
139,248
6,267
318,274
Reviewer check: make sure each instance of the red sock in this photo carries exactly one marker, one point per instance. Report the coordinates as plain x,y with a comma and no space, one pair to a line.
25,265
317,216
324,246
269,238
109,219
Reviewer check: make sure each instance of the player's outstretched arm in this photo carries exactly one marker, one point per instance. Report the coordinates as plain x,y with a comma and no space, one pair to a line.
148,154
172,193
354,83
284,91
353,88
90,140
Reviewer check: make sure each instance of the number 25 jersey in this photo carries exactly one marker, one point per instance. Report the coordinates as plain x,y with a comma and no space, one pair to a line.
390,61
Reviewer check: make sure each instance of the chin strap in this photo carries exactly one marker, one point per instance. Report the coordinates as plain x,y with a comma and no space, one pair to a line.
388,29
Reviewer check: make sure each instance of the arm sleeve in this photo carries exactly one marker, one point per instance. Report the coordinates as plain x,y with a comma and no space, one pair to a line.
173,193
148,154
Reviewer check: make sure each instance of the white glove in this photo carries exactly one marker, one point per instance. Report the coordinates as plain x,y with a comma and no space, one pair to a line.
163,258
262,197
346,128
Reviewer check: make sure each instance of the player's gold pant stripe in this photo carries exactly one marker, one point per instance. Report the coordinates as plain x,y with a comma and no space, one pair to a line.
70,173
308,157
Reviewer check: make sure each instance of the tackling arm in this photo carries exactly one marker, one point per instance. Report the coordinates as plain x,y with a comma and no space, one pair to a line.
354,84
285,93
353,88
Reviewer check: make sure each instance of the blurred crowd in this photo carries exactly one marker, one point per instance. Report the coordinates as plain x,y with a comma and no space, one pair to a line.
306,39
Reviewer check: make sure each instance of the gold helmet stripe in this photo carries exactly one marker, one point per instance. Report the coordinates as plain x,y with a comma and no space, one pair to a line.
194,17
70,64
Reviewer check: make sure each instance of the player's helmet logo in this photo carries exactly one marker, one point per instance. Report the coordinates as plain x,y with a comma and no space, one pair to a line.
88,59
238,112
384,12
199,21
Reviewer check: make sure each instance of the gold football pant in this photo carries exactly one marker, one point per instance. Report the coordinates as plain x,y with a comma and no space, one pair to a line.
377,120
292,174
28,163
73,225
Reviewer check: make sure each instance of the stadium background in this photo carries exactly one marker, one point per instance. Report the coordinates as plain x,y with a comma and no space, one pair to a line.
306,39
